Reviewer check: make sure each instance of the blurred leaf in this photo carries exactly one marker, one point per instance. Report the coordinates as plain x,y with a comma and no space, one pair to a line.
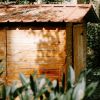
13,88
27,95
19,90
70,78
91,88
82,75
52,96
3,92
88,71
23,79
8,89
33,85
41,92
63,82
69,94
42,83
54,83
79,90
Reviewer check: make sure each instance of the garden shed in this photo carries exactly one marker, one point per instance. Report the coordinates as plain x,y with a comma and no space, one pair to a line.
46,38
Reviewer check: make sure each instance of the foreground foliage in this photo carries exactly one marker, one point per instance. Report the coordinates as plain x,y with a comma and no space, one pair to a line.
34,88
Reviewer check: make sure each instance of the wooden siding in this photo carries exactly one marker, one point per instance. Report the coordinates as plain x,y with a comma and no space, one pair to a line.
3,53
30,49
68,46
79,37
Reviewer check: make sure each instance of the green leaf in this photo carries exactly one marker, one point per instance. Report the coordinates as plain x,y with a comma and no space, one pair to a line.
91,88
52,96
62,97
70,78
23,79
41,92
19,90
69,94
82,75
13,88
79,90
8,89
54,83
27,95
33,85
3,92
42,83
63,82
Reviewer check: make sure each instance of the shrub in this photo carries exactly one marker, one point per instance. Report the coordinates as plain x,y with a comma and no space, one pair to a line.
34,88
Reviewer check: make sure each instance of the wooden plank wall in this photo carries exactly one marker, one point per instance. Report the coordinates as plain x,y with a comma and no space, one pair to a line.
30,49
68,47
3,54
79,37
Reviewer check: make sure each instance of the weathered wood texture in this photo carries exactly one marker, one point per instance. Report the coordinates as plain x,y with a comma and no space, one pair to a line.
68,47
79,50
3,53
41,49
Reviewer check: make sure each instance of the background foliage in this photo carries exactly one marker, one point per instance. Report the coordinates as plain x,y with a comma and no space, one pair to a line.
93,56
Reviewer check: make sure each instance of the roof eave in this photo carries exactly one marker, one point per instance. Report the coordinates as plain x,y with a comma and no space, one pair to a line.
91,16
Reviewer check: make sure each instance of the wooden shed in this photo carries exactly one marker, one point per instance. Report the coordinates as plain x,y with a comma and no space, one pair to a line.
46,38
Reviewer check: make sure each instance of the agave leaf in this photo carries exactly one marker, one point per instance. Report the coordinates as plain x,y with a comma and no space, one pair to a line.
41,92
68,95
82,74
54,83
47,94
23,79
55,86
48,82
52,96
27,95
13,88
33,85
63,82
62,97
3,92
8,89
79,90
42,83
19,90
91,88
70,78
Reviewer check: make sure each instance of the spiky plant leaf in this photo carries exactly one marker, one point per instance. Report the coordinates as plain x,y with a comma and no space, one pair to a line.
63,82
27,95
23,79
8,89
42,83
68,95
90,89
52,96
33,85
79,90
70,78
13,88
3,92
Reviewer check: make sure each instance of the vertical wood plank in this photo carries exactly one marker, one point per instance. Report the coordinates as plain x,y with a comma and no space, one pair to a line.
68,46
3,54
79,37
